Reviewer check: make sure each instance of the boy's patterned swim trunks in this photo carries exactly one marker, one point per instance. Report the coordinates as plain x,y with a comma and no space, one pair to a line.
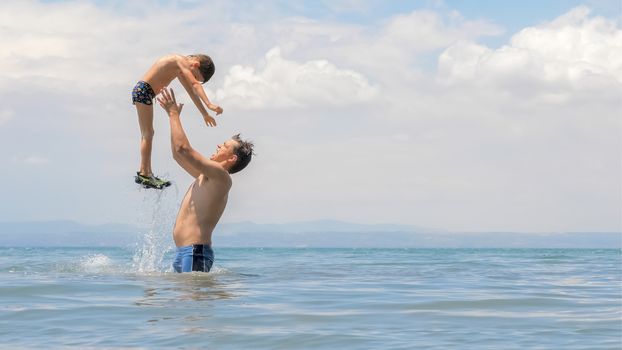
143,93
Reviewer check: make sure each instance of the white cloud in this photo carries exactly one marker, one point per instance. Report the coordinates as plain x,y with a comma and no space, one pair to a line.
427,30
286,83
82,45
575,52
5,115
32,160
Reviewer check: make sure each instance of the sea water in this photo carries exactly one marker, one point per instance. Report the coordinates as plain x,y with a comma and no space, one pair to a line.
261,298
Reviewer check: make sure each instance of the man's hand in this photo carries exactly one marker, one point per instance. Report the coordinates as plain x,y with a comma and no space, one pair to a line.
215,108
168,102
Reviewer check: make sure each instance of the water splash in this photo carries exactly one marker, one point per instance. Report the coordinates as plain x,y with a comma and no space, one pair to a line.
95,263
157,215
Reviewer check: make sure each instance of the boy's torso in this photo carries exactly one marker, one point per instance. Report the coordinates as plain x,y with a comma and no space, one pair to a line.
163,71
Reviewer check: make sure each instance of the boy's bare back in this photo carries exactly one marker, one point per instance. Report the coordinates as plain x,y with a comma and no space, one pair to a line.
164,70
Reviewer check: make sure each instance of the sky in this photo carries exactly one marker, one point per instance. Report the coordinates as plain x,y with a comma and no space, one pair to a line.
456,115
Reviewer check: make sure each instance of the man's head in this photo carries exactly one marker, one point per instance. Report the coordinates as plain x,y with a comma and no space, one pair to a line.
234,154
206,66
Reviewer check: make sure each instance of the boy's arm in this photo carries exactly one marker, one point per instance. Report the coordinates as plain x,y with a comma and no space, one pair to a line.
198,89
190,84
188,158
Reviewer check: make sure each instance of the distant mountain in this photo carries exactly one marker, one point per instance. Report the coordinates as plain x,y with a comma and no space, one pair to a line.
370,237
66,234
322,233
317,226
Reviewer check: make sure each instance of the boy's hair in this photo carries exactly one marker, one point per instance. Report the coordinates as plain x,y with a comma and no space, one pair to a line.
244,152
206,66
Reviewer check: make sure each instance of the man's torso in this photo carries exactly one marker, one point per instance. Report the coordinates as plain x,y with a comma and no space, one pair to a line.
200,211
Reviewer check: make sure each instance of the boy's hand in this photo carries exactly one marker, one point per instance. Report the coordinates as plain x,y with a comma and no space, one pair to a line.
215,108
168,102
209,120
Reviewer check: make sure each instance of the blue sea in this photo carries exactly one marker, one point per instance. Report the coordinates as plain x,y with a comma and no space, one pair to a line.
306,298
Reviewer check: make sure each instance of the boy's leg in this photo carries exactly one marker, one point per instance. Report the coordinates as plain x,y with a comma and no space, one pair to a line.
145,173
145,120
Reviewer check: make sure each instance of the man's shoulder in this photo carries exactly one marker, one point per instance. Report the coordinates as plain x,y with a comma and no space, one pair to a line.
226,179
219,175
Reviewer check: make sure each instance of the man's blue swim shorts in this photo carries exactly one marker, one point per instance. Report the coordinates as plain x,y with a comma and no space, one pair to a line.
196,257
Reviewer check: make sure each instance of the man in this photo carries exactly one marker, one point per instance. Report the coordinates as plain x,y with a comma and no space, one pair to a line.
206,198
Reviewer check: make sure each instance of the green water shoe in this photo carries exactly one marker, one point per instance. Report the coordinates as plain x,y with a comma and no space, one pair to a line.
151,181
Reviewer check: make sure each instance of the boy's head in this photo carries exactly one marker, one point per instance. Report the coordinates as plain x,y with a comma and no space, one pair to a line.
206,66
234,153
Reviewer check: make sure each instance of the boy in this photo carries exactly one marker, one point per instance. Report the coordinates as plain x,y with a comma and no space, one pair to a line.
192,71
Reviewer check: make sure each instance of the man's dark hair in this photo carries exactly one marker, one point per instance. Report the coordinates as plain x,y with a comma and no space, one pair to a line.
206,66
244,152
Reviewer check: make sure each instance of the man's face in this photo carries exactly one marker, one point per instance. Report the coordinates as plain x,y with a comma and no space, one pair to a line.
224,151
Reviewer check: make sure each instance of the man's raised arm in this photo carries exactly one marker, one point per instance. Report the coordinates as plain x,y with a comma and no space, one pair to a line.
188,158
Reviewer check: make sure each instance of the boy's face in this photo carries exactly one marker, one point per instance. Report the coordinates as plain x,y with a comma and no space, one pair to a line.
197,75
194,68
